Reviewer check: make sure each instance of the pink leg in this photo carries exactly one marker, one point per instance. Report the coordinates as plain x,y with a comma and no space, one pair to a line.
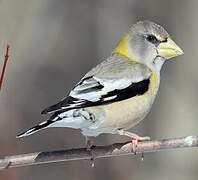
88,142
89,145
135,138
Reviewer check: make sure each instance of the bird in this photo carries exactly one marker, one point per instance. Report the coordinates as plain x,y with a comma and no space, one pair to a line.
119,92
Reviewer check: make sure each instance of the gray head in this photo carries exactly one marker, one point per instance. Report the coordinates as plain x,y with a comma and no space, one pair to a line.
150,43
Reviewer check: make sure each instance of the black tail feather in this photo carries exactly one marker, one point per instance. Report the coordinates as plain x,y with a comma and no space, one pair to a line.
35,128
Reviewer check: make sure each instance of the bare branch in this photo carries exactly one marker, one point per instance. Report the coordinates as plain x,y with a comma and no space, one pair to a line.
4,66
117,149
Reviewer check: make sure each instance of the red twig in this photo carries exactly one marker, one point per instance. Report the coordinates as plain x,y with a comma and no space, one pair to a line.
4,66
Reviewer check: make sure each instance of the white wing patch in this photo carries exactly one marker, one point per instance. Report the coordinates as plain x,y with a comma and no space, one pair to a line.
95,95
110,98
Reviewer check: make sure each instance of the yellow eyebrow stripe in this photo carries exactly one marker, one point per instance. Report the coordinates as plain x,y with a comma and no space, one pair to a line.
160,38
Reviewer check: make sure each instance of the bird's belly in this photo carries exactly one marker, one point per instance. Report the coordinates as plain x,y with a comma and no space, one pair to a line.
110,118
127,113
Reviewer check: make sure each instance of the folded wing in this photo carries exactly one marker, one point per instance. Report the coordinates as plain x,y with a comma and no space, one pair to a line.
94,91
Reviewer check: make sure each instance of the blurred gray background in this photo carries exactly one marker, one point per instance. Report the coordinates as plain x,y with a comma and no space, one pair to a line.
54,43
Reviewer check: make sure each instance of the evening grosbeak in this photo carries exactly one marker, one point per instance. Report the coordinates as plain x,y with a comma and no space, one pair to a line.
119,92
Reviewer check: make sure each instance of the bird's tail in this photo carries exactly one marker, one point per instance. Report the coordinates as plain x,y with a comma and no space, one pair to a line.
72,119
36,128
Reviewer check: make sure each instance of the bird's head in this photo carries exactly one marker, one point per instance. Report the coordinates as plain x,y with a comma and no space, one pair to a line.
146,43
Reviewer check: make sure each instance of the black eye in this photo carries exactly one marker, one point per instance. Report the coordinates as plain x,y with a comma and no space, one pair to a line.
152,39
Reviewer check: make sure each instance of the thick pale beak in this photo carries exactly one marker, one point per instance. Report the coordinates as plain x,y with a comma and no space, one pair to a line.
169,49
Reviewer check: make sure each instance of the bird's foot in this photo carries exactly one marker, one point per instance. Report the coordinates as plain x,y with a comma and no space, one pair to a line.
135,139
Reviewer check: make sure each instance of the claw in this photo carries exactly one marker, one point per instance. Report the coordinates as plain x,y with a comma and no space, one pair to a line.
92,162
92,159
142,157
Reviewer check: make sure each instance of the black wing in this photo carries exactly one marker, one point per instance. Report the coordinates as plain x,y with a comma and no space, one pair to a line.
89,86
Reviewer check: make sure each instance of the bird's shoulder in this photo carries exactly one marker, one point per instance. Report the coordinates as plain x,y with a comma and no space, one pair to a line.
118,66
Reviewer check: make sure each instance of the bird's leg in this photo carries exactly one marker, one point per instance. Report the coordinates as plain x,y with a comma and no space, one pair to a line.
134,137
89,148
88,142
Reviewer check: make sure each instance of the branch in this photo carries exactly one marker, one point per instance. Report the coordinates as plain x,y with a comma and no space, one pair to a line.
4,66
117,149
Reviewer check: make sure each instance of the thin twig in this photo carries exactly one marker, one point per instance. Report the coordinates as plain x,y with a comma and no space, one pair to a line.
117,149
4,66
